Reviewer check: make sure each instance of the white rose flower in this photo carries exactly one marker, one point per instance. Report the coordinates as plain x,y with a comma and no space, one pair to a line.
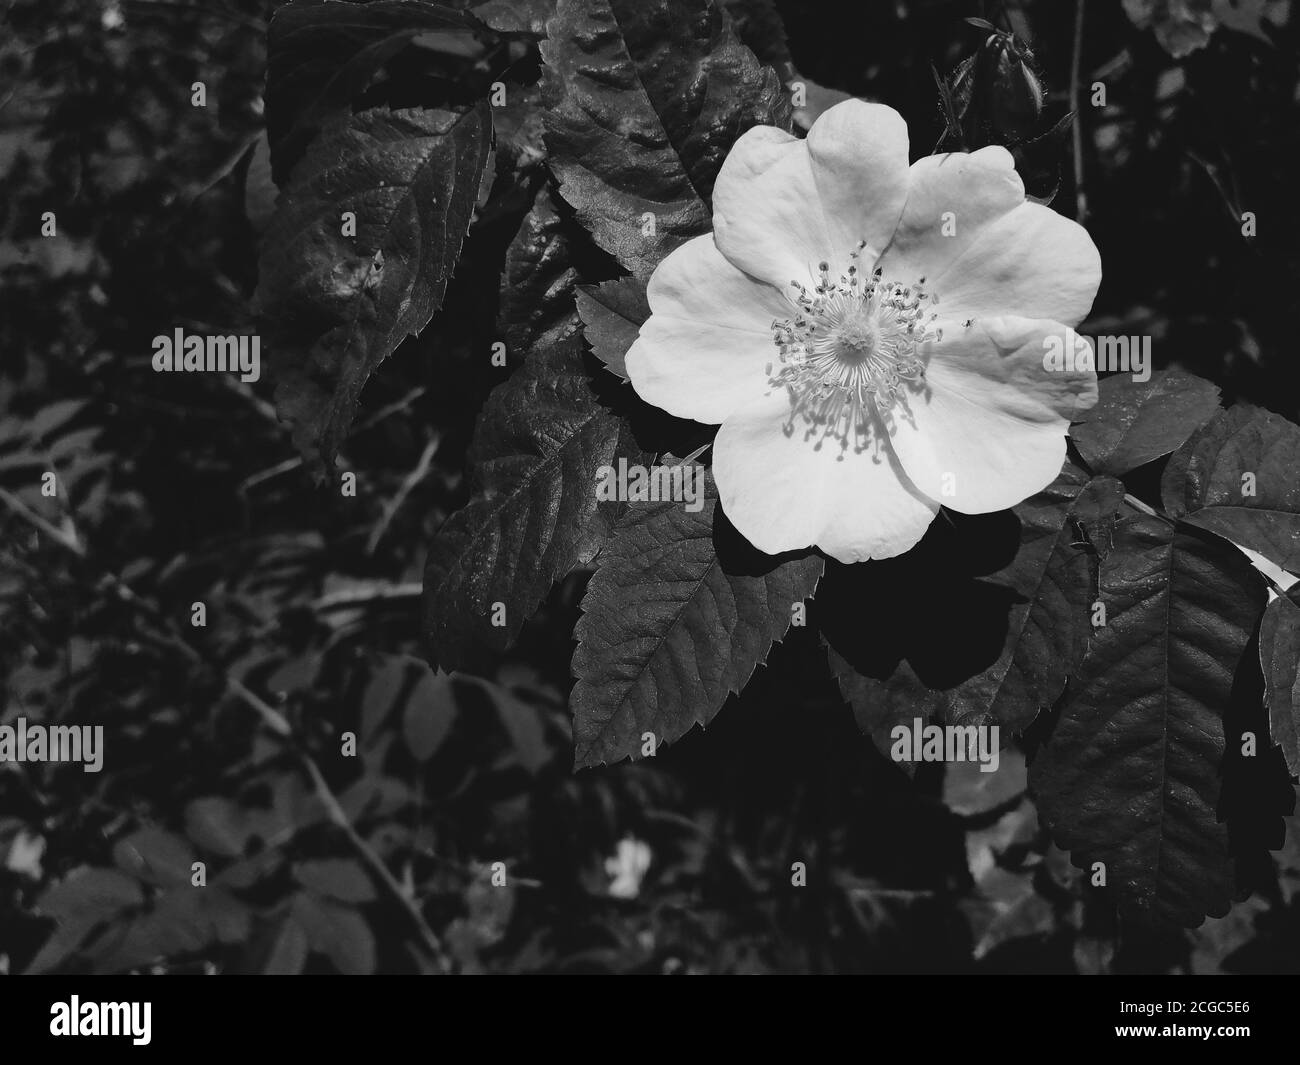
869,335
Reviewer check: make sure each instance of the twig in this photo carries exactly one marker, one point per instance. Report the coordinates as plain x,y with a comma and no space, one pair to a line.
65,538
293,463
1149,511
1076,62
413,478
382,873
353,597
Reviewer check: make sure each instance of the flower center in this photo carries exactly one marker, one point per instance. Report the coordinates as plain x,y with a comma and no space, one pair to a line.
850,354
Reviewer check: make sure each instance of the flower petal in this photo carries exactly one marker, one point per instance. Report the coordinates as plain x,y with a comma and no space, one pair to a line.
984,250
782,493
988,431
782,205
704,348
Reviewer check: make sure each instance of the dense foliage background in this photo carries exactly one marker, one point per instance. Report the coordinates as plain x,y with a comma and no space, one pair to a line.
224,740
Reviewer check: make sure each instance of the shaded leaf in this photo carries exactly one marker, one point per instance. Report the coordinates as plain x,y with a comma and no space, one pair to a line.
322,55
260,193
288,951
1130,776
336,878
337,306
644,100
1135,422
79,903
387,679
155,856
538,282
218,826
1237,476
759,25
671,625
429,715
338,932
540,441
1279,654
1032,610
612,315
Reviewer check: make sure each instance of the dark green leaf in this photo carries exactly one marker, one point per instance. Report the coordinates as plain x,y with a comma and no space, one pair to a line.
429,715
672,624
322,55
1135,422
1130,776
1279,654
81,901
155,856
388,677
337,306
288,950
1237,476
538,283
612,315
338,932
645,98
1040,597
336,878
218,826
539,444
874,706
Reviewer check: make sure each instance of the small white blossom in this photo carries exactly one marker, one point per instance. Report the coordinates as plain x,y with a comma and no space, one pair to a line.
626,868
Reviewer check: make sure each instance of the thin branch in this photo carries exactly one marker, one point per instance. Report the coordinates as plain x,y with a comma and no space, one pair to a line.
418,474
355,597
1149,511
64,538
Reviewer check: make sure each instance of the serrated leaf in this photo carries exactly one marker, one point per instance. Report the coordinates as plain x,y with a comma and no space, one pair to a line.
1030,613
322,55
337,306
1279,655
429,714
645,99
538,282
672,624
1237,476
1130,775
540,441
612,315
874,710
1135,422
